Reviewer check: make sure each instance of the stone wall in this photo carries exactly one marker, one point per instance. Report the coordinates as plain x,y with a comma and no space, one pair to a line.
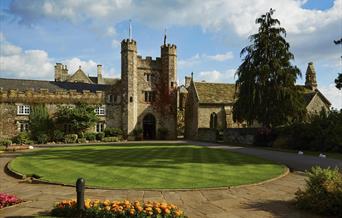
316,105
239,135
207,134
204,112
9,101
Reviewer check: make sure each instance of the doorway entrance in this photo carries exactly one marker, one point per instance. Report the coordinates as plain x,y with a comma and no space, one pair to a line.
149,127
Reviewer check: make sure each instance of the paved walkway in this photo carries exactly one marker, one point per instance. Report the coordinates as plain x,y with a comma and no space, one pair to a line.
270,199
292,160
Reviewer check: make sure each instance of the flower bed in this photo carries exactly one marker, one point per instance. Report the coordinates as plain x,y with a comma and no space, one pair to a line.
122,209
8,200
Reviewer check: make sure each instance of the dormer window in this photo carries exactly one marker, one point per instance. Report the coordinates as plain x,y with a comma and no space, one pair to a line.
100,110
23,110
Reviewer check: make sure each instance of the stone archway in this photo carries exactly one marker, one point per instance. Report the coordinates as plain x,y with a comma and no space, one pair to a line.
149,127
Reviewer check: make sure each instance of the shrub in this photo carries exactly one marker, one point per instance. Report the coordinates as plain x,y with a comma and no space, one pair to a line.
42,138
78,118
323,192
82,140
22,138
110,139
163,133
58,135
80,135
90,136
321,132
109,131
40,122
122,209
100,136
70,138
8,200
138,133
264,137
5,142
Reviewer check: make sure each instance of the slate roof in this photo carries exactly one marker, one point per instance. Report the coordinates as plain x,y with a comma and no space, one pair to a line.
224,93
23,85
215,93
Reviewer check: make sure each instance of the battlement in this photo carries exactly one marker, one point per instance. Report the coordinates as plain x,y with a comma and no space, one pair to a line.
55,97
128,44
168,49
149,63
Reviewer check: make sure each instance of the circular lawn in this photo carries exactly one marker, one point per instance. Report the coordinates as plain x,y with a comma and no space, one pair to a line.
145,166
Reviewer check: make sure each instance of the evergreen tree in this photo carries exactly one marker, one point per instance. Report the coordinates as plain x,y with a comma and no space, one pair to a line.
338,80
266,79
40,122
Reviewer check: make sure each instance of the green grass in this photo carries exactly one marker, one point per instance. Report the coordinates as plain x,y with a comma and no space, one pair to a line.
146,166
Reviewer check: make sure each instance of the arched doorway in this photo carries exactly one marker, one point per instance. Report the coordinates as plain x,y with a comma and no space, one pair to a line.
149,126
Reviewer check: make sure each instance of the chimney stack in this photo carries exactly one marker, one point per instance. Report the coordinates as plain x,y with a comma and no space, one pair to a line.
310,77
99,74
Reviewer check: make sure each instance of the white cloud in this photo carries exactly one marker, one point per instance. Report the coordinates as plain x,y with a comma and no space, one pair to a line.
16,62
216,76
222,57
199,58
309,31
111,31
185,63
88,67
116,43
333,94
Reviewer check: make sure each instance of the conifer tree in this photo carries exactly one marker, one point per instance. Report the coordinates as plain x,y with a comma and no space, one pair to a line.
266,79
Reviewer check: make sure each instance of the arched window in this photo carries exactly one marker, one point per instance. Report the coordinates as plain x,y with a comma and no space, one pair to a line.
213,121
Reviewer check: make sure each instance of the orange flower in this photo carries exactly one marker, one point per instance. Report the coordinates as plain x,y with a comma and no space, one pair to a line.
167,211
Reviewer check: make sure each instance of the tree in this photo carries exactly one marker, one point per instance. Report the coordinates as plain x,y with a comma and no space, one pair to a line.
338,80
78,118
266,79
40,122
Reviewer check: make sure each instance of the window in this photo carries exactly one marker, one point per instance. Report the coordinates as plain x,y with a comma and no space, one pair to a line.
213,121
23,126
172,84
100,110
23,110
131,99
150,96
109,98
100,127
148,77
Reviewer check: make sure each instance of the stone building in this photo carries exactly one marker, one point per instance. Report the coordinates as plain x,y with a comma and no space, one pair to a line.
209,105
145,97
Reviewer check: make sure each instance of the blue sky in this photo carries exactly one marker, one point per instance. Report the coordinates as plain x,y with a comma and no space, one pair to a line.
209,35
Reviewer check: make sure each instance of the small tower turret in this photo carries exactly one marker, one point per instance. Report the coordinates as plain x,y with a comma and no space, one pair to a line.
129,85
310,77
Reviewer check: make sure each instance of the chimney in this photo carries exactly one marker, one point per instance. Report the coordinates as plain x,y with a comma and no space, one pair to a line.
58,72
310,77
187,81
99,74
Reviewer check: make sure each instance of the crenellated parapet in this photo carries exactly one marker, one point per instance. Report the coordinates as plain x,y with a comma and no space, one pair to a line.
51,97
168,49
148,63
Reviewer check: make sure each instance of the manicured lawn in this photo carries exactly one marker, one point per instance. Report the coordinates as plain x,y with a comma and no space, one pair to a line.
146,166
